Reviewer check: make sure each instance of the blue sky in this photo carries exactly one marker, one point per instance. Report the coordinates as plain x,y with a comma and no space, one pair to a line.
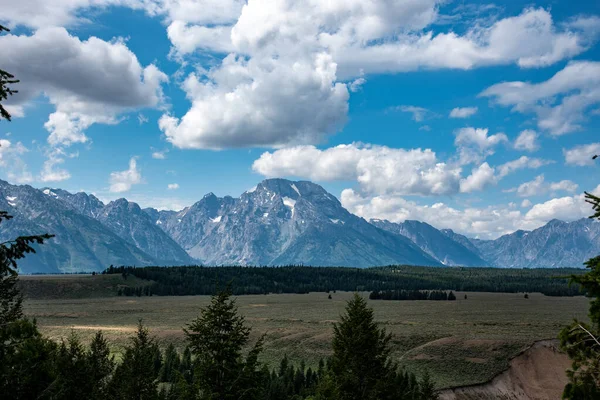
480,117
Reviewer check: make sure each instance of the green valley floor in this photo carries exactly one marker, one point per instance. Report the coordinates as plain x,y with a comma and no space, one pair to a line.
461,342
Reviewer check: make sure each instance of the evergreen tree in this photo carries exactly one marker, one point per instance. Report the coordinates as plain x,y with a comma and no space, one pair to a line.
135,377
27,361
216,339
414,281
427,388
26,368
100,366
73,373
170,366
581,341
361,367
186,367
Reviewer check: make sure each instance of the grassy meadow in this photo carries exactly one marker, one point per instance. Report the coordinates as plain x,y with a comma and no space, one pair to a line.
461,342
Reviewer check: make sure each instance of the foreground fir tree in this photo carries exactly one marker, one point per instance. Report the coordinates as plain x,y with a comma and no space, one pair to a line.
73,380
361,366
581,341
136,377
26,358
100,365
217,339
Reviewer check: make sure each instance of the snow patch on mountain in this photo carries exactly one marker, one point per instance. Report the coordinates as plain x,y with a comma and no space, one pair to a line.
291,203
296,189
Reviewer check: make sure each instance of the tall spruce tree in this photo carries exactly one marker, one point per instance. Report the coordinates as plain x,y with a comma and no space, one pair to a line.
361,366
136,377
100,366
217,339
581,341
170,366
73,379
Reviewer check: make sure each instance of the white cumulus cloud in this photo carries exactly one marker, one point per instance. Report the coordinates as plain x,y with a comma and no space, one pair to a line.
159,155
288,66
481,177
418,113
260,103
83,90
13,167
538,186
527,141
51,170
122,181
377,169
463,112
523,162
474,144
581,155
560,103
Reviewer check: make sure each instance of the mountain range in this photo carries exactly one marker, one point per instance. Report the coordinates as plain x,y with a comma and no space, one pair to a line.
279,222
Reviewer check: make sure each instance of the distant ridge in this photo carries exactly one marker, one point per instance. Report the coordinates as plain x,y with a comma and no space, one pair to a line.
441,246
555,244
278,222
284,222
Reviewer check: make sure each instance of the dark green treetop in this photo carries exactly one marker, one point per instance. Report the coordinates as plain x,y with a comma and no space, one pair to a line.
217,339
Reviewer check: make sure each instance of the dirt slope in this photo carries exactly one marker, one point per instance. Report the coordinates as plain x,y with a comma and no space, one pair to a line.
536,374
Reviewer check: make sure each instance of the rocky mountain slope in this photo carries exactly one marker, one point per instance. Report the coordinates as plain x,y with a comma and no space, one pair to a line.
446,249
284,222
129,222
81,242
556,244
279,222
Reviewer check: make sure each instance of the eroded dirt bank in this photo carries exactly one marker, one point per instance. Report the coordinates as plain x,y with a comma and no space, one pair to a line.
536,374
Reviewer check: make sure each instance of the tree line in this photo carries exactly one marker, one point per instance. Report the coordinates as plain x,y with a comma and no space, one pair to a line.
200,280
412,295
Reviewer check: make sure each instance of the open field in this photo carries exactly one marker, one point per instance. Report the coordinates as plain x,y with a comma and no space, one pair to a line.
461,342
